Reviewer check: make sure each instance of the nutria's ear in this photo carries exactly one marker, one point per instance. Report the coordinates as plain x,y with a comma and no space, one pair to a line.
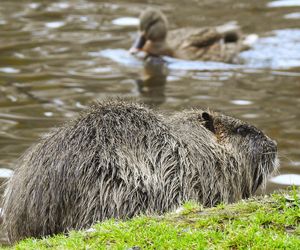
209,122
206,116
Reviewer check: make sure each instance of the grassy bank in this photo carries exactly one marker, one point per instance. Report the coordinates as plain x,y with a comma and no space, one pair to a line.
270,222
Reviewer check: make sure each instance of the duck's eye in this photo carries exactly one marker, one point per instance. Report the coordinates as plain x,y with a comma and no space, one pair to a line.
242,130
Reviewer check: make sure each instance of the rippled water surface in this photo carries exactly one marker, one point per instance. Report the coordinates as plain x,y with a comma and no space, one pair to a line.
58,56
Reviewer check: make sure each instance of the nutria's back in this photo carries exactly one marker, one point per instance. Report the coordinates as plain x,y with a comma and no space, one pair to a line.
121,159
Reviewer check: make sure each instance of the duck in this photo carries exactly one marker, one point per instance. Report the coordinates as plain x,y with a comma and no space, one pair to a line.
219,43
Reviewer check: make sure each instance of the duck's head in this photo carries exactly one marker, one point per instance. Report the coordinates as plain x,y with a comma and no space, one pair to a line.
152,32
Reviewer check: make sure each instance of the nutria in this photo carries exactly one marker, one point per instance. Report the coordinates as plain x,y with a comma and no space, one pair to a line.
121,159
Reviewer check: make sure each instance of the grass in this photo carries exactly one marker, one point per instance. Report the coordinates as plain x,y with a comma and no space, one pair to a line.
270,222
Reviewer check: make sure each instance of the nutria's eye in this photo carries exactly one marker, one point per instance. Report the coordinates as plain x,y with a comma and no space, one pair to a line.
209,123
242,130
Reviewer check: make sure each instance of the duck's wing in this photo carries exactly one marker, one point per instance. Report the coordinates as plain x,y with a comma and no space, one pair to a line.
220,43
203,37
198,37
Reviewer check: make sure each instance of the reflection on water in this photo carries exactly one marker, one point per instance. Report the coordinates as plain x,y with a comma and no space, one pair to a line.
295,15
284,3
287,179
153,83
5,173
58,56
121,56
126,21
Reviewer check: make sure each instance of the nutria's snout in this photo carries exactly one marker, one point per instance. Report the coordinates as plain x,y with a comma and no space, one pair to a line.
264,143
272,146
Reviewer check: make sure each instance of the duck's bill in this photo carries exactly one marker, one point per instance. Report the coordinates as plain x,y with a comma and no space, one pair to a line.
138,44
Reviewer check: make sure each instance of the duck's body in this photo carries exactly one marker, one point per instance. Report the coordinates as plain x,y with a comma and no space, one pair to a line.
220,43
206,44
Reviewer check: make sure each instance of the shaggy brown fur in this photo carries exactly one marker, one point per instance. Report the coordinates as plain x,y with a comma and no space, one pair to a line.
121,159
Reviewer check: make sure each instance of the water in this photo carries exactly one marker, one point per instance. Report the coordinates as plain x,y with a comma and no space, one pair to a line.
58,56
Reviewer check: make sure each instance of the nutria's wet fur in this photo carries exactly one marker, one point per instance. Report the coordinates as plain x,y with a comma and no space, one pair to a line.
121,159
